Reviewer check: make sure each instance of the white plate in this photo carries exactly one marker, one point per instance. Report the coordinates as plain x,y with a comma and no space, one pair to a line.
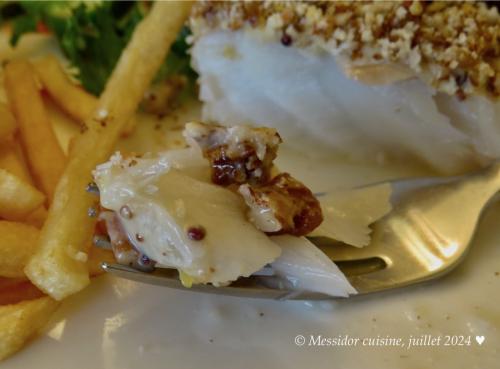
117,324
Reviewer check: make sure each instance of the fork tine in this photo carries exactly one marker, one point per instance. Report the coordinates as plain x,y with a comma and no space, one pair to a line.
393,277
377,281
168,278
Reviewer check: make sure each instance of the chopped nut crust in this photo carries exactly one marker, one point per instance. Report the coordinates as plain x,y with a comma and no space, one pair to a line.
453,46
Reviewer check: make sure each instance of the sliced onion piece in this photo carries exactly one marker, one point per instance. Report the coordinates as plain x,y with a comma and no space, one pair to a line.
302,266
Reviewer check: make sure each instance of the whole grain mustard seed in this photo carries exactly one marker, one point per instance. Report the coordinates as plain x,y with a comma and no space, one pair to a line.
92,188
92,212
125,212
196,233
286,40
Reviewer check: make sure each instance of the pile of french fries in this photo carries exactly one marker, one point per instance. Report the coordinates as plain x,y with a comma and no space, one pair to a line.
45,231
31,164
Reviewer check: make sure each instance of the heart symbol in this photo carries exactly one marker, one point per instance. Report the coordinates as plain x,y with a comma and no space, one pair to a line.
480,339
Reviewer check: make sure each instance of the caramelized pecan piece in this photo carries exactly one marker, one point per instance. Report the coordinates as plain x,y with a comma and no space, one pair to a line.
284,205
238,154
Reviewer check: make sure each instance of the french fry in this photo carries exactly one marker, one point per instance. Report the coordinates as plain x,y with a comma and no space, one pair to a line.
13,291
45,157
6,283
37,217
17,198
7,122
129,127
11,161
17,244
72,99
19,322
57,268
71,145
